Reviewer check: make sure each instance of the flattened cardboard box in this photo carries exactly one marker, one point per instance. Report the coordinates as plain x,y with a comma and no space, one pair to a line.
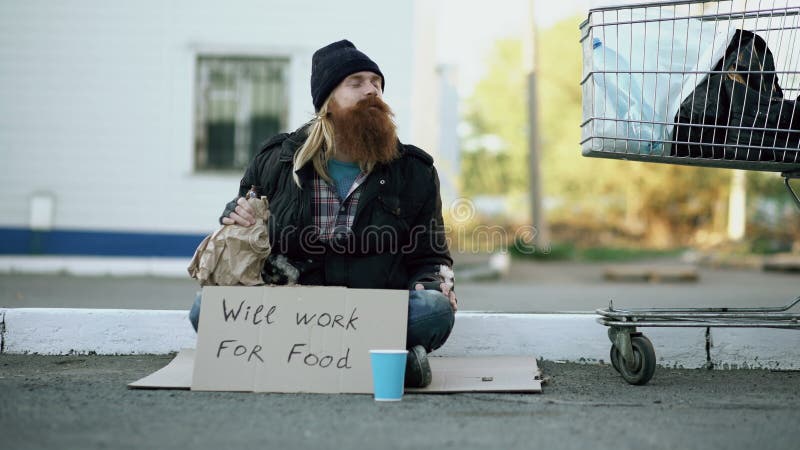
450,374
295,339
376,318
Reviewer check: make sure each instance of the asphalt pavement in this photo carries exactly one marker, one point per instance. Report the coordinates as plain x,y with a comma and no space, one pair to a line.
531,287
81,402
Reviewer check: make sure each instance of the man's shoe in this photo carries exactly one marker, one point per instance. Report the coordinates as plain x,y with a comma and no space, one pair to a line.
418,371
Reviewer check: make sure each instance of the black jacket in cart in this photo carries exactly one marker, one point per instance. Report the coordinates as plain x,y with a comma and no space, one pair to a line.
740,113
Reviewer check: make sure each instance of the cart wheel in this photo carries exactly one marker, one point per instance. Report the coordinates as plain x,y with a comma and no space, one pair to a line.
644,361
614,357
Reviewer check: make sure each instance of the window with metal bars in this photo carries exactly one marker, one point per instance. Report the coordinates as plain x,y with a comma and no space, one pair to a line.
239,102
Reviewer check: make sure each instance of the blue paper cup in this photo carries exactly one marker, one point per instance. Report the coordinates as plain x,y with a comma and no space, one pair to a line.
388,374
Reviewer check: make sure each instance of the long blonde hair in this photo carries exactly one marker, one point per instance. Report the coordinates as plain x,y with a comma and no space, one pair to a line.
319,146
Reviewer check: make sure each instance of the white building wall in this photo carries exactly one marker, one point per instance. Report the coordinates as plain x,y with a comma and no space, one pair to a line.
97,104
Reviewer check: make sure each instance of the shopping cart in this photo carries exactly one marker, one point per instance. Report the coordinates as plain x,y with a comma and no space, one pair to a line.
701,83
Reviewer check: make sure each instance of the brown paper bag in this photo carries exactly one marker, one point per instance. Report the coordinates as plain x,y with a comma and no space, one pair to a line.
234,255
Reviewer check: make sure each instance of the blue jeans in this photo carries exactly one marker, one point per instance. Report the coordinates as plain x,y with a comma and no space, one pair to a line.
430,319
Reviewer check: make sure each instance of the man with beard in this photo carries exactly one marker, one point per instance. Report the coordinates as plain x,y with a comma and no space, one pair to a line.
352,206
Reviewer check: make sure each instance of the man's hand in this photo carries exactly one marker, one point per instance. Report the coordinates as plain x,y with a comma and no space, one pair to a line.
243,215
446,291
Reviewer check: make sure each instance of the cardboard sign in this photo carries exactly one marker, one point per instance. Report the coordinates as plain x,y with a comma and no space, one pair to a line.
295,339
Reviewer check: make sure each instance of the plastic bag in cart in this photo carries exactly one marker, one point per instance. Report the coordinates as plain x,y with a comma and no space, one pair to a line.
620,97
639,61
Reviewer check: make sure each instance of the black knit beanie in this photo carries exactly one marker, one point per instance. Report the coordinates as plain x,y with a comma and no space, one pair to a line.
332,64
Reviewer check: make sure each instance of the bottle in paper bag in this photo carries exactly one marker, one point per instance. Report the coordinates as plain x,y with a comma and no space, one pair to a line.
234,254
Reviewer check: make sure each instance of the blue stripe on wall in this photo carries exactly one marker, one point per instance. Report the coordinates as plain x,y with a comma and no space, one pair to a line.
23,241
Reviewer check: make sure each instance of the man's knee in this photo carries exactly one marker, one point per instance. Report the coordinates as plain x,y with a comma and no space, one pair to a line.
429,303
430,319
433,300
194,313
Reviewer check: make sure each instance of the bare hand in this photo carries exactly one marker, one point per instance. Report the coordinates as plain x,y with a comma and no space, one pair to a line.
447,293
243,215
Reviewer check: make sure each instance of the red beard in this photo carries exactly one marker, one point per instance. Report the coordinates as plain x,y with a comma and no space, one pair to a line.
365,132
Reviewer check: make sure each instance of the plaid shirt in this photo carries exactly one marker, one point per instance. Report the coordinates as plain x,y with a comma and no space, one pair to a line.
331,214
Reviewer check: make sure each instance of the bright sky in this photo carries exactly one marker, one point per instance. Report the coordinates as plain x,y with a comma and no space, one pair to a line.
467,29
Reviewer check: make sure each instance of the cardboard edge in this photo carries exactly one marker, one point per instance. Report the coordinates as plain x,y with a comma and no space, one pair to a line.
175,366
531,385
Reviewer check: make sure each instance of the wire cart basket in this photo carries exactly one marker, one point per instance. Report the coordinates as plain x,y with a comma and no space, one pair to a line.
704,83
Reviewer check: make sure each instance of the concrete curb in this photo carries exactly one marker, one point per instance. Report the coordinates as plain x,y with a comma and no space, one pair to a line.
63,331
95,266
559,337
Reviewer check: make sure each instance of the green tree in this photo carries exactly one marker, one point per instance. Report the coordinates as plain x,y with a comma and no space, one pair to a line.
494,160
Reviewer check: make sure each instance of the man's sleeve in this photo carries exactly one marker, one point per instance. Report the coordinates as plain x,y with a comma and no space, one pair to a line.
249,179
428,257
